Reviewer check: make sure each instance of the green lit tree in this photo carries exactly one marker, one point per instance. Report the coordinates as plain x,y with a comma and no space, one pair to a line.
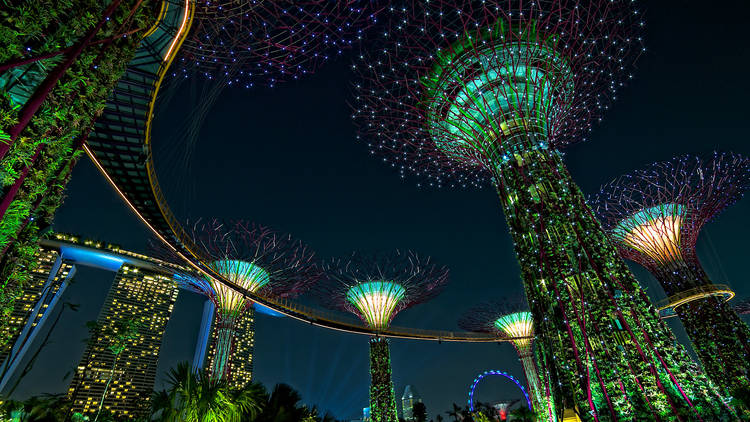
192,396
256,260
375,288
471,92
655,216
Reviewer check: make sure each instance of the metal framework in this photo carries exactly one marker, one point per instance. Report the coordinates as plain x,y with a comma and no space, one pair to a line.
255,258
451,85
460,92
655,216
261,43
376,287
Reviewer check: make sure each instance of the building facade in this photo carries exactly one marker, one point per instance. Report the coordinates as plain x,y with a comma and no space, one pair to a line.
408,399
49,279
125,381
241,356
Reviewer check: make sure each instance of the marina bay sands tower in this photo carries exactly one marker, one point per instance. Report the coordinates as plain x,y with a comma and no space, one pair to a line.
142,290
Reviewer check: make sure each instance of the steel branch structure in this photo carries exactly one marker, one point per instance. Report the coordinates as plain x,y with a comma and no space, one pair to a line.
376,288
464,91
120,149
514,320
257,42
258,260
655,215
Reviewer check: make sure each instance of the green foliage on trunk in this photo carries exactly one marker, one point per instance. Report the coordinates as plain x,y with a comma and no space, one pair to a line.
46,149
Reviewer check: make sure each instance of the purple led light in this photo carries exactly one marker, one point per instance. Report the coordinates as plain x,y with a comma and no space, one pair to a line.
501,373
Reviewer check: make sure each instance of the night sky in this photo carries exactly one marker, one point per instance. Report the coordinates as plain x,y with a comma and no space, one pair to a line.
288,158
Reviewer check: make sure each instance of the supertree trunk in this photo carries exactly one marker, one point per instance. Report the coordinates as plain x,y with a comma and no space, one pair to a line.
545,381
541,406
224,342
719,337
614,358
721,340
382,398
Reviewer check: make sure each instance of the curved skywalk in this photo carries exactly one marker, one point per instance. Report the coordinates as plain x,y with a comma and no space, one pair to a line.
120,147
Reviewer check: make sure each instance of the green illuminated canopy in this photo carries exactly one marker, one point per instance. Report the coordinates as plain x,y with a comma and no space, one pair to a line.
376,301
245,274
489,88
519,325
654,231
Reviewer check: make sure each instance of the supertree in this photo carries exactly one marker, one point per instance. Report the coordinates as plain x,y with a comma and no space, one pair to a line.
258,260
462,91
511,319
655,216
256,42
376,287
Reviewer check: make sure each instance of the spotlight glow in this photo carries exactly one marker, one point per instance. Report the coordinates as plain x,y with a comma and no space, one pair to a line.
653,231
519,324
376,301
245,274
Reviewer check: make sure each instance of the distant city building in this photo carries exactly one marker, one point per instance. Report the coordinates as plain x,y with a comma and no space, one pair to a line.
148,298
41,292
408,399
241,355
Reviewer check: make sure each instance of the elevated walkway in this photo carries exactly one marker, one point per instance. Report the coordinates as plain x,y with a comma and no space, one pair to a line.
120,148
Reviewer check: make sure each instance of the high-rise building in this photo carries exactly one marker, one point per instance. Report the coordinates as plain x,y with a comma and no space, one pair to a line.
240,359
143,290
408,399
46,284
128,378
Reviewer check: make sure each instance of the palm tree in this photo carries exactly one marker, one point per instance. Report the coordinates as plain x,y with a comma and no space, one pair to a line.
194,397
283,405
314,416
44,408
419,412
523,414
455,413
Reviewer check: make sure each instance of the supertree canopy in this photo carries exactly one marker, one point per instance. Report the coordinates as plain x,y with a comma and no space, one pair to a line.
655,216
509,319
375,288
261,42
461,90
254,258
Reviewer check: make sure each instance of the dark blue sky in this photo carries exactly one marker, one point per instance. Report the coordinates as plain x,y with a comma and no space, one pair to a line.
288,158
